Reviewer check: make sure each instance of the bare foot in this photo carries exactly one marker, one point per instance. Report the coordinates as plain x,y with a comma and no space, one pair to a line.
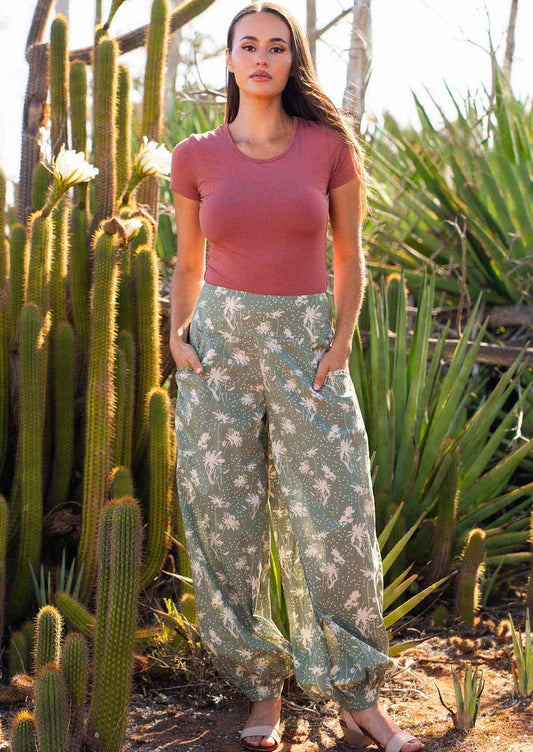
264,712
378,722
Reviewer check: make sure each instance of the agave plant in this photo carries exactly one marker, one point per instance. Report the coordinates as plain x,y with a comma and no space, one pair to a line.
467,697
43,589
458,198
419,410
522,660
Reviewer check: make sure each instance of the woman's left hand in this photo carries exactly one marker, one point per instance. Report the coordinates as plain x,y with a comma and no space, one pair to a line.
335,359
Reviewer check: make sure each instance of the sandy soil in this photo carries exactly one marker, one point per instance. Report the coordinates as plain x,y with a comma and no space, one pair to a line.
208,716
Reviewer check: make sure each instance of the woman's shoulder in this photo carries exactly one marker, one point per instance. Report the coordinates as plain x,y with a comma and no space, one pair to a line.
195,141
321,131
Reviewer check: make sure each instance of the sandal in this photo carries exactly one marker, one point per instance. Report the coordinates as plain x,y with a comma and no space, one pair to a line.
265,730
356,734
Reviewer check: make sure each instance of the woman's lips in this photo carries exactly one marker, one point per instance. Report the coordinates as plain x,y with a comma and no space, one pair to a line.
261,77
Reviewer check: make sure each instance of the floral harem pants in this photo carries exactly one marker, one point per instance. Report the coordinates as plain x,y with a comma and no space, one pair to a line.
258,447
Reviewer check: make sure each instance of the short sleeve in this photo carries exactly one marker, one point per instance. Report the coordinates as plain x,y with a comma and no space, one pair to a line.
183,170
342,169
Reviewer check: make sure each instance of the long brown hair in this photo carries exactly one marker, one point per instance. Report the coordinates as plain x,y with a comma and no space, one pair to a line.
302,96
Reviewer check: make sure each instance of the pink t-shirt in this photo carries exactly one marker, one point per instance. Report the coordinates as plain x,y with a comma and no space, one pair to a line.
265,219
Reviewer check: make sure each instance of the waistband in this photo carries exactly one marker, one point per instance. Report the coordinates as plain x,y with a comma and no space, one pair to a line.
209,289
226,309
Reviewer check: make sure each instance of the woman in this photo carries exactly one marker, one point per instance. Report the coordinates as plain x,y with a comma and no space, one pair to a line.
267,419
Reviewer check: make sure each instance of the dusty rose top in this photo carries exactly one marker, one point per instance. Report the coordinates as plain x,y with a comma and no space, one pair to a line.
264,219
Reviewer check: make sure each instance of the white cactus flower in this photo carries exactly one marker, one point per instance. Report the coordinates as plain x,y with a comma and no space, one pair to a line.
154,159
68,168
71,167
132,227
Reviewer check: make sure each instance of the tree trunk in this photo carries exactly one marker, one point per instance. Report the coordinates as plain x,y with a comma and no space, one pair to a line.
173,59
509,48
35,110
360,62
311,29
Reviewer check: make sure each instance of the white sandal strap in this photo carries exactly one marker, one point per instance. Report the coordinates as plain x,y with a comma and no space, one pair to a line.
398,740
261,731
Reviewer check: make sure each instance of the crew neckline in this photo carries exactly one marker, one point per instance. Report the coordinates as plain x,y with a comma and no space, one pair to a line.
225,127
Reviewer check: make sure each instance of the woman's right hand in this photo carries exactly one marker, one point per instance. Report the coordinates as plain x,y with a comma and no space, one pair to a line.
184,354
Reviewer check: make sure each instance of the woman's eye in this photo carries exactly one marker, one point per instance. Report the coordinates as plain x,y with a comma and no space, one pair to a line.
246,46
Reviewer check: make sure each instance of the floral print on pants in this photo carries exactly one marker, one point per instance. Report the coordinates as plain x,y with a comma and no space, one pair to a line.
256,444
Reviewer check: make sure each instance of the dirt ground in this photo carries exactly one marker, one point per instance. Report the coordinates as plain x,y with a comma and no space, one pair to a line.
204,716
207,718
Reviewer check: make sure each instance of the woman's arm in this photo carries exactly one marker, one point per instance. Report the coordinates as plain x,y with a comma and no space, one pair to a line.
186,280
348,271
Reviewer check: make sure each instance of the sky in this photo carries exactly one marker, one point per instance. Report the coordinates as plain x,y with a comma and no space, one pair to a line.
418,46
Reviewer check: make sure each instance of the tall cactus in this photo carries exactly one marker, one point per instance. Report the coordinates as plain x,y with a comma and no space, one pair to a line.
49,626
75,667
123,150
64,392
156,55
78,281
51,709
121,483
4,528
59,82
40,233
4,258
33,334
24,732
446,513
467,597
119,549
59,262
105,83
5,380
18,260
78,121
146,276
158,528
100,403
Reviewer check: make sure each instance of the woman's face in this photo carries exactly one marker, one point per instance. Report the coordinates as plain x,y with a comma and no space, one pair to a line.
261,42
